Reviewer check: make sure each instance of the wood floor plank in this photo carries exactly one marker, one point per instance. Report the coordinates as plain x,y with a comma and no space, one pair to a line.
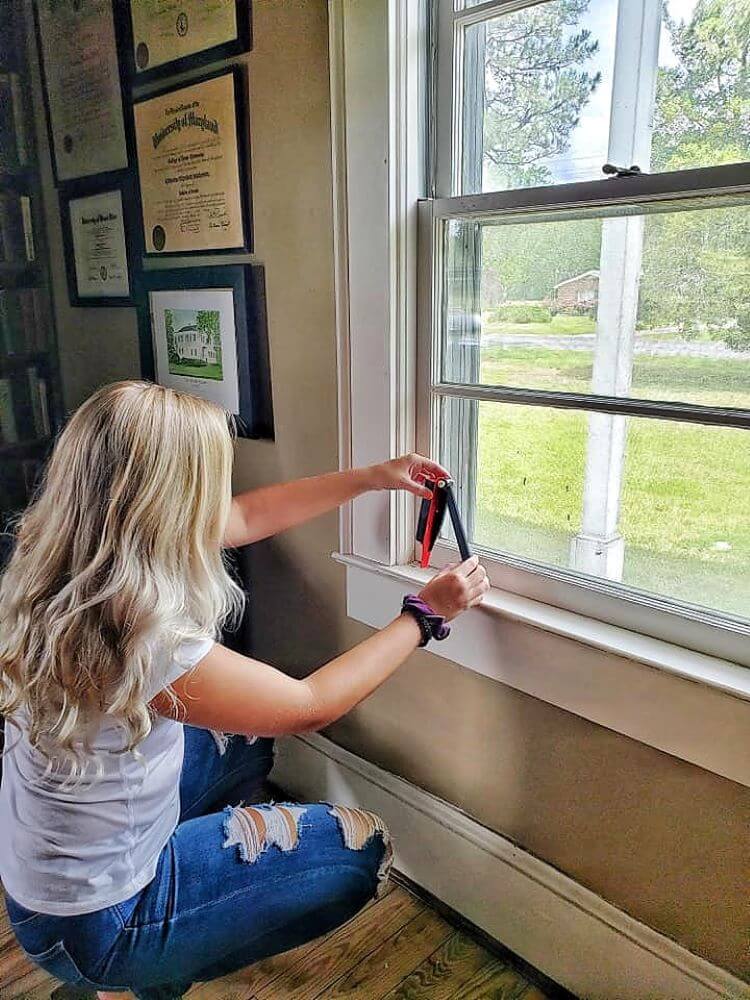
19,979
384,968
228,988
495,981
444,971
312,974
255,979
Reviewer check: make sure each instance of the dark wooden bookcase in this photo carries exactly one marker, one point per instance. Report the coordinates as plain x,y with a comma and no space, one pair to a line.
30,394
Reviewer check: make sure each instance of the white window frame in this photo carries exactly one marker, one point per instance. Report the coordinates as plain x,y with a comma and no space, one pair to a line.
694,627
699,628
683,692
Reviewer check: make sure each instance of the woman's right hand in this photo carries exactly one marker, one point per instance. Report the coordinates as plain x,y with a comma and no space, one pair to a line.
456,588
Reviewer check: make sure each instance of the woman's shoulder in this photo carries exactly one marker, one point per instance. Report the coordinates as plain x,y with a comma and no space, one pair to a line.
174,655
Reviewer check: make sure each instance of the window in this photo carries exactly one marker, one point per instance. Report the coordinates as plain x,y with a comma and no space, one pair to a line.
585,336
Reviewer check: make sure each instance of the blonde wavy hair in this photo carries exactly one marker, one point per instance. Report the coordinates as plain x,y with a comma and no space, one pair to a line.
121,549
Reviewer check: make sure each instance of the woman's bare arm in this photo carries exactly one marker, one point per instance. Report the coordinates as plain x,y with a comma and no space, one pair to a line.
267,511
236,694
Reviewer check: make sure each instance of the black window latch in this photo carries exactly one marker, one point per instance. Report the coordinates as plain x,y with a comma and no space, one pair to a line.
610,168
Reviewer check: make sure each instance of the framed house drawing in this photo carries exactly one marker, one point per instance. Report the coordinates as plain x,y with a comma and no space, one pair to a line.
203,331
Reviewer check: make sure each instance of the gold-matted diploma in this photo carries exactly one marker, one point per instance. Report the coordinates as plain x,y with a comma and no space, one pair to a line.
166,30
190,168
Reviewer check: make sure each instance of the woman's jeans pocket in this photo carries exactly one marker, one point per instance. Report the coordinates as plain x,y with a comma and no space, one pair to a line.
58,963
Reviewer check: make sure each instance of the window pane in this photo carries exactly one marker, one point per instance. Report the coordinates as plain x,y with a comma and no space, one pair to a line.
659,506
543,80
654,306
542,105
702,105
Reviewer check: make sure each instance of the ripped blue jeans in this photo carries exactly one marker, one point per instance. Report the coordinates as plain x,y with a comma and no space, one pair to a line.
234,884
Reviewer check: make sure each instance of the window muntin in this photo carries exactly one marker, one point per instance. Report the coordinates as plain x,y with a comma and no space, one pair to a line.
680,247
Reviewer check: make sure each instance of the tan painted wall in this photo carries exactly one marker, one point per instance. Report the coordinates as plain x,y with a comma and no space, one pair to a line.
662,839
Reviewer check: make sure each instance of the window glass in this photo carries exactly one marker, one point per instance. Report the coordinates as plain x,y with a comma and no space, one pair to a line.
657,505
542,104
702,104
654,306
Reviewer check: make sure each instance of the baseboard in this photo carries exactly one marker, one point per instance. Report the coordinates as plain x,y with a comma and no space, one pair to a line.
566,931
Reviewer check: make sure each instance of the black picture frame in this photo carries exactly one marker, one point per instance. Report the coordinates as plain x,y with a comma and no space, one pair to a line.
247,282
120,19
244,166
226,50
84,188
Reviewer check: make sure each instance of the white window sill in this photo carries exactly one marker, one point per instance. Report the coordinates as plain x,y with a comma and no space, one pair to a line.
693,706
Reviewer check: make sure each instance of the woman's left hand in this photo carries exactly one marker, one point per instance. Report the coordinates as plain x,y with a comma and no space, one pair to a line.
407,473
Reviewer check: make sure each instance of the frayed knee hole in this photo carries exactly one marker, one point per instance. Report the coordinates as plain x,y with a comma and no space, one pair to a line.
253,829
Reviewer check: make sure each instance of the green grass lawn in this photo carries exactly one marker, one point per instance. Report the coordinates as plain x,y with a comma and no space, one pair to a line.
560,326
197,371
686,487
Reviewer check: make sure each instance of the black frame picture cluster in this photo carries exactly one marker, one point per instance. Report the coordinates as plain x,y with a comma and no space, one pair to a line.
183,192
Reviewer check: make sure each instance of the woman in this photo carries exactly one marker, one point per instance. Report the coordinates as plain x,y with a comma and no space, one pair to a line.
124,865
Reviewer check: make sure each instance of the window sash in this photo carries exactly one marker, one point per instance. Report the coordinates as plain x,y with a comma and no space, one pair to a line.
698,628
705,186
682,624
712,632
726,180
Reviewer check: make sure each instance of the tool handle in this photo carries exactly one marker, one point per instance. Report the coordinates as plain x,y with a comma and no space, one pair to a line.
458,528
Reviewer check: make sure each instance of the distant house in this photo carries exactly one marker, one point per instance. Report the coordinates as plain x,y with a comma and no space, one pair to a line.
578,294
193,344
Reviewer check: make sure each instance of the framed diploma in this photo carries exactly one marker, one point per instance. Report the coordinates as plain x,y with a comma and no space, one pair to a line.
203,331
170,36
192,157
82,87
98,244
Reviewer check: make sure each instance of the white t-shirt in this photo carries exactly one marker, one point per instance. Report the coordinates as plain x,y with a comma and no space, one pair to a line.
76,849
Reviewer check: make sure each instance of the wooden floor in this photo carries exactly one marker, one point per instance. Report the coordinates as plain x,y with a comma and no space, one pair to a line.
396,947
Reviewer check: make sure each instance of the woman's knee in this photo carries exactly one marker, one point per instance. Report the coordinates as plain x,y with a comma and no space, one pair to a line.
366,834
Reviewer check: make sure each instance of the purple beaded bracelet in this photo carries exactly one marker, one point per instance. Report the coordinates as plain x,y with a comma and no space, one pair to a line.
431,624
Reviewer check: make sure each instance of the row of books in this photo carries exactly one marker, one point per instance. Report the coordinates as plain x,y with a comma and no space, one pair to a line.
16,229
18,481
14,137
8,35
23,320
24,407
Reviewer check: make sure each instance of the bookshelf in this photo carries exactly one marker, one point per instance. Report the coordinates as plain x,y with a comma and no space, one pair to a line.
30,394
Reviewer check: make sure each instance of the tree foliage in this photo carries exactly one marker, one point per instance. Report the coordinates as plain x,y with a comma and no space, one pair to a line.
696,264
535,88
208,322
696,267
172,354
702,113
